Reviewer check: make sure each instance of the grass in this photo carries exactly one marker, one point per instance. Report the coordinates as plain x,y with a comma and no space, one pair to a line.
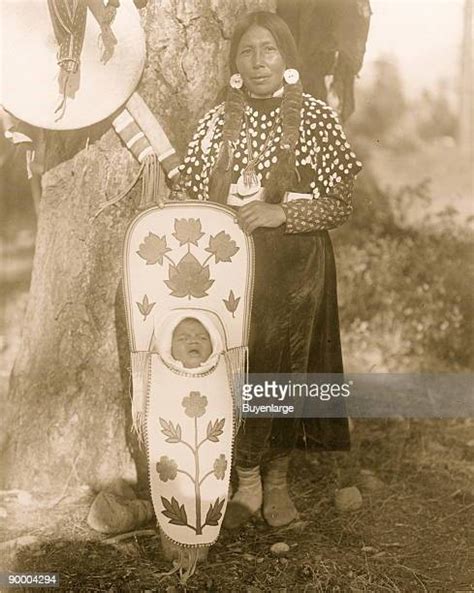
410,536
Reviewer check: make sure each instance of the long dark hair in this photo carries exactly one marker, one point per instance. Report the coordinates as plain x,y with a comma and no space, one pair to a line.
283,173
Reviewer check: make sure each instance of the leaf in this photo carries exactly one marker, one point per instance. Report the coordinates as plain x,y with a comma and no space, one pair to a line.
145,307
222,246
187,230
215,430
153,249
214,513
174,511
189,278
231,303
173,433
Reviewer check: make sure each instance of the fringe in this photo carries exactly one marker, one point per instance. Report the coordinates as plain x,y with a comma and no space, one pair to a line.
140,365
121,195
150,172
150,181
238,367
187,564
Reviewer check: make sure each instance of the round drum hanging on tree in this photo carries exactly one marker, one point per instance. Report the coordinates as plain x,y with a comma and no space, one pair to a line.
67,64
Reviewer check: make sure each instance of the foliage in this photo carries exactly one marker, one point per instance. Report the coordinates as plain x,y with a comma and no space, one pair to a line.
385,117
406,291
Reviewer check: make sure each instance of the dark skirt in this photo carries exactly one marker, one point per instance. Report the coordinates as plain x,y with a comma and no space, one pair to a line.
294,329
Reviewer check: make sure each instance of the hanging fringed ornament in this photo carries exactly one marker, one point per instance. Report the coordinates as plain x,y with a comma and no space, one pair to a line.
146,140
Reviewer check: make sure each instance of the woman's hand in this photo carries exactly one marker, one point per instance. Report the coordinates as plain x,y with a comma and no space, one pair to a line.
260,214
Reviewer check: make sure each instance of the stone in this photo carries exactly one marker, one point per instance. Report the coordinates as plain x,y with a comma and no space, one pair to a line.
369,482
348,499
114,514
280,549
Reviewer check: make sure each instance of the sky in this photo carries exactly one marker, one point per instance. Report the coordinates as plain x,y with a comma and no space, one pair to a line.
424,36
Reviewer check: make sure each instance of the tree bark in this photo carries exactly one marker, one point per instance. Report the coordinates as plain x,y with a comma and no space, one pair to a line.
67,411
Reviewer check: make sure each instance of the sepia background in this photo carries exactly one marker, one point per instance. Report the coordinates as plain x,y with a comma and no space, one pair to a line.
405,273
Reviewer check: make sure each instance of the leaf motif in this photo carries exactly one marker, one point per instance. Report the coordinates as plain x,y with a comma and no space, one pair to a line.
231,303
187,230
153,249
145,307
174,511
173,433
222,246
214,430
214,513
189,278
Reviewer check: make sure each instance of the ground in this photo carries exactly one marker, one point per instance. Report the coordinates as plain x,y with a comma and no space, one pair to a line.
410,534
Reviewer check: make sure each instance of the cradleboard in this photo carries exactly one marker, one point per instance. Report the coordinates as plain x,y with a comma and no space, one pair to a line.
188,259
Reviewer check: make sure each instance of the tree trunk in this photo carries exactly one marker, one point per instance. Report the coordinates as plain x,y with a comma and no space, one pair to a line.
67,414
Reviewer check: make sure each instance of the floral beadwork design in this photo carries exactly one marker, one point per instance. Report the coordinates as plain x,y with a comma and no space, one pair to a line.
188,277
195,406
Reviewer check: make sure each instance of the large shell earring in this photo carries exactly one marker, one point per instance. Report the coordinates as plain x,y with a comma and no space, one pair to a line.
291,76
236,81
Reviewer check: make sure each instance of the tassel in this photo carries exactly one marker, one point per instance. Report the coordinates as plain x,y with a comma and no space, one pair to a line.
188,562
150,181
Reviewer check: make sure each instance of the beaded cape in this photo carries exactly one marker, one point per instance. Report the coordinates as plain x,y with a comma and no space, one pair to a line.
324,157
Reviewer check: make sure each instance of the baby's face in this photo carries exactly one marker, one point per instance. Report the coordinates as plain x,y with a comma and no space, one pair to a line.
191,343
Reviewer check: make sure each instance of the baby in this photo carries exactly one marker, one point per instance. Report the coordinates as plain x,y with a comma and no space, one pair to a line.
191,343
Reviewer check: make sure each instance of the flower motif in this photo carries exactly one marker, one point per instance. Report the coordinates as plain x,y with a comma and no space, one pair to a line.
153,249
166,468
187,230
220,466
194,404
222,247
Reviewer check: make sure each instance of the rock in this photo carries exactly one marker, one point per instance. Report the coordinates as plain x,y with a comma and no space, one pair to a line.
19,542
248,557
280,549
369,482
113,514
348,499
369,549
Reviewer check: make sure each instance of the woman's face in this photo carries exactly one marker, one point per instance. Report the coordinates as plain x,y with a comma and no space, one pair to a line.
260,62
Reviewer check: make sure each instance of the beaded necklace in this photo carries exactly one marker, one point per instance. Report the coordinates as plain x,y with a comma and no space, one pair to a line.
248,183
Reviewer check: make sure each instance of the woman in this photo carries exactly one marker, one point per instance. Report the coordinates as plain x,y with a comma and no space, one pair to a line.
281,157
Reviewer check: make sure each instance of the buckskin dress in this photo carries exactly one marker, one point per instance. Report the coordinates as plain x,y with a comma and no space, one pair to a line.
294,323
